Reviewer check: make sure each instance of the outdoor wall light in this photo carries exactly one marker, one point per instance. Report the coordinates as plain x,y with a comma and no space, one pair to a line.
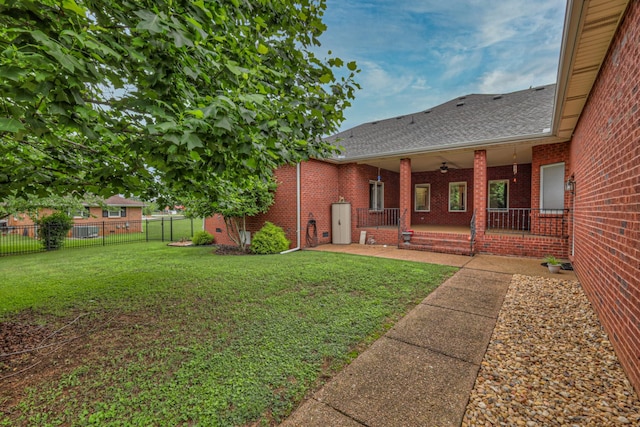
444,168
570,185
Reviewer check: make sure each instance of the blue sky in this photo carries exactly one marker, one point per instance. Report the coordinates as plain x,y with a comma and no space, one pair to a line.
415,54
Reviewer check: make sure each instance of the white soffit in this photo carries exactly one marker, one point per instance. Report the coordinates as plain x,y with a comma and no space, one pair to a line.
589,28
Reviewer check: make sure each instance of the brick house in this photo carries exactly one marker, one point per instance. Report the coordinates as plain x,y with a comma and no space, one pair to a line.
547,170
119,215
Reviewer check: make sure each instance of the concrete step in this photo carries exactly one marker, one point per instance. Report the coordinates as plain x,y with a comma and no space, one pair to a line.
457,244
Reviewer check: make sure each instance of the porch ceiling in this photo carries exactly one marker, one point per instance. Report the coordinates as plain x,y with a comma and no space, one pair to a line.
499,155
589,28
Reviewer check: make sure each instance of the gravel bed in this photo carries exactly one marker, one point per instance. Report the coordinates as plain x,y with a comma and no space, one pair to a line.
550,363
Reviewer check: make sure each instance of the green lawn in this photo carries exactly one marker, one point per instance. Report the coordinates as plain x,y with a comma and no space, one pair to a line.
180,336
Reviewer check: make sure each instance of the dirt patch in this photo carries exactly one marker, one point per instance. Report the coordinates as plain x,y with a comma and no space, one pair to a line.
37,349
229,250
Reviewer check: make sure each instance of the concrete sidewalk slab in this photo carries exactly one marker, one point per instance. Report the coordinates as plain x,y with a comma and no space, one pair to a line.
453,333
398,384
421,372
314,413
470,301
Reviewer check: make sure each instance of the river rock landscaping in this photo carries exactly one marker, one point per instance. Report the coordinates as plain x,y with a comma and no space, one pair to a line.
550,363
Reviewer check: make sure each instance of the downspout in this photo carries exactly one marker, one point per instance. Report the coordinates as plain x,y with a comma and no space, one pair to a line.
297,212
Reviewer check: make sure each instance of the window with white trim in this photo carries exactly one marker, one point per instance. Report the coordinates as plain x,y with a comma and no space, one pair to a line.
376,195
114,212
80,213
552,187
457,197
499,194
422,198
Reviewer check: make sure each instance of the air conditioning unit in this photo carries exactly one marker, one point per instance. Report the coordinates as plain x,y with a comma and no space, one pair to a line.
85,231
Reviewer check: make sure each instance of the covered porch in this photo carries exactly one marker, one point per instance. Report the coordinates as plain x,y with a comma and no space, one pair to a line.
480,201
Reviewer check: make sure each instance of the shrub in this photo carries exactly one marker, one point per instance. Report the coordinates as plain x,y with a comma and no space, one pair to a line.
54,229
202,238
269,240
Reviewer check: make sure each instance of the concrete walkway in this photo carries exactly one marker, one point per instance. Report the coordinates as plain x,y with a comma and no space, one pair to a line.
421,372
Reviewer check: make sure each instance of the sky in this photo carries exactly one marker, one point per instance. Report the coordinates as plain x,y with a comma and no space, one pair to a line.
416,54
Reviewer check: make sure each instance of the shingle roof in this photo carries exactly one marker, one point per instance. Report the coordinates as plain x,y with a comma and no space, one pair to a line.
469,119
121,201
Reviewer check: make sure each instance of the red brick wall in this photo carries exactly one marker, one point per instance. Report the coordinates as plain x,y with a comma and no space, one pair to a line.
520,190
605,154
354,187
319,188
547,155
523,246
439,213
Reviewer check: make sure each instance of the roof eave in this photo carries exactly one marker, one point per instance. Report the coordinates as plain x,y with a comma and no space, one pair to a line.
546,138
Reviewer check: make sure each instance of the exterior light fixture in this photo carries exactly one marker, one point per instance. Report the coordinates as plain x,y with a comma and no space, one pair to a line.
444,168
570,185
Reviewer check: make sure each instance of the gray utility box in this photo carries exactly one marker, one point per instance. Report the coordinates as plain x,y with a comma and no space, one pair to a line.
341,223
84,231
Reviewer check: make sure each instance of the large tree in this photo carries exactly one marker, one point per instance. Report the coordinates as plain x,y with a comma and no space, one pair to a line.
130,96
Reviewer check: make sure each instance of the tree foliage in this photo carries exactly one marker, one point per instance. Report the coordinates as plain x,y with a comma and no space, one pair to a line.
137,96
53,230
235,200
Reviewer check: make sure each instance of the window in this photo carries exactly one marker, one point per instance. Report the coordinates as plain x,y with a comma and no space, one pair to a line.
80,213
457,197
422,198
114,212
376,195
499,194
552,187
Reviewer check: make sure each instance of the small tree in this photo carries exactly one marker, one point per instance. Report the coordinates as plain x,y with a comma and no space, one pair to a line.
235,199
54,229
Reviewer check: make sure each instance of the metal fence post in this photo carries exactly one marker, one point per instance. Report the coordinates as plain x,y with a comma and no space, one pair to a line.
104,241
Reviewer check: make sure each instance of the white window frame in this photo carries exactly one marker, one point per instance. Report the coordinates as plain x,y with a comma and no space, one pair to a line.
427,201
558,172
80,213
497,181
111,210
376,205
464,201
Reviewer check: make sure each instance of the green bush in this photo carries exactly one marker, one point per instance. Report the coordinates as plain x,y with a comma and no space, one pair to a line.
269,240
54,229
202,238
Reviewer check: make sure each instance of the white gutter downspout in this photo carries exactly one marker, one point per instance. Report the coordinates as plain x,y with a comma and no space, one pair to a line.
297,212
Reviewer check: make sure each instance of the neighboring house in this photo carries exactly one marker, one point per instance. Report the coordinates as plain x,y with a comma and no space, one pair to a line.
119,215
547,170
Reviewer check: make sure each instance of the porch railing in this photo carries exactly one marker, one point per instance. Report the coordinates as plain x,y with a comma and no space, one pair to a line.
382,218
538,222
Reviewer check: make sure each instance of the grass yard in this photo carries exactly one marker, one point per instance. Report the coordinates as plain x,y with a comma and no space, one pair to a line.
145,334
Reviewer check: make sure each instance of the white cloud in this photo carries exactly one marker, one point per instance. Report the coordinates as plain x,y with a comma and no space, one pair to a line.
415,54
380,82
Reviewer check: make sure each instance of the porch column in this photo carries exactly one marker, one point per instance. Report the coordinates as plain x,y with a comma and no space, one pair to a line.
405,191
480,190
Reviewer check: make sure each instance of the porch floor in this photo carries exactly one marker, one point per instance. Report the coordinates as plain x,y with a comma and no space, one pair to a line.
432,228
428,228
